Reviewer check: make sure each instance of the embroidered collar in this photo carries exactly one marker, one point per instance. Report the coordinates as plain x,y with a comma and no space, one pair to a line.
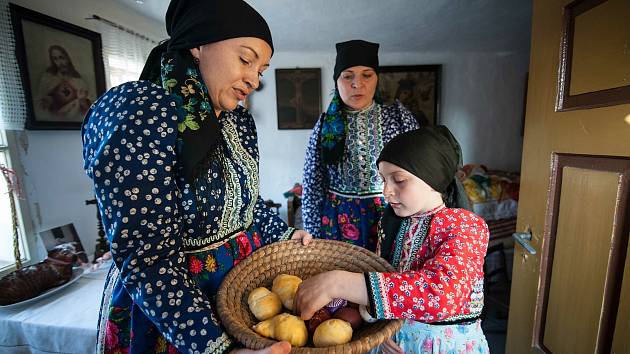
351,112
424,214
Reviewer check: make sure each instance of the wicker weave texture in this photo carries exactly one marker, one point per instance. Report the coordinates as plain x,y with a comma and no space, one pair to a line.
290,257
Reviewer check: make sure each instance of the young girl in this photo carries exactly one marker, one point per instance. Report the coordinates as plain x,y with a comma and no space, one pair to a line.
438,253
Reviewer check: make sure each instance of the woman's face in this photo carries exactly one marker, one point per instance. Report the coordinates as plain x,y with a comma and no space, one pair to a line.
357,86
405,192
231,69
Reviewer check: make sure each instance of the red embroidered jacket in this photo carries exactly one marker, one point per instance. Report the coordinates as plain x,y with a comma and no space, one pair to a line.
439,256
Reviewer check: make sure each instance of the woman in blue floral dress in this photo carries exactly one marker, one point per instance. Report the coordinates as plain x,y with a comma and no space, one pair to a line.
343,194
174,161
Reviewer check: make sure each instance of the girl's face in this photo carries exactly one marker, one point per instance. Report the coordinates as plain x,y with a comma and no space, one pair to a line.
357,86
231,69
405,192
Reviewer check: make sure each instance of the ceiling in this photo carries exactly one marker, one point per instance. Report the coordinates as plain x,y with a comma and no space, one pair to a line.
398,25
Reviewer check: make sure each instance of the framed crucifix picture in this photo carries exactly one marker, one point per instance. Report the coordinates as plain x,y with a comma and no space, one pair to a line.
298,97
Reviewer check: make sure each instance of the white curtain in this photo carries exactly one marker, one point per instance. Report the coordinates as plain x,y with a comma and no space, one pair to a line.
124,52
12,103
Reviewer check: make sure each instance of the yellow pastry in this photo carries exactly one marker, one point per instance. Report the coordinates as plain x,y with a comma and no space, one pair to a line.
285,286
263,303
284,327
290,328
332,332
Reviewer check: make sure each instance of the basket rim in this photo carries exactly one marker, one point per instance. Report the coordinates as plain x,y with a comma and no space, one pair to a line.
246,336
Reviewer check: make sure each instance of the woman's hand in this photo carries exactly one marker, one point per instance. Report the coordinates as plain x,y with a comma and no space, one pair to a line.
390,347
315,292
278,348
302,235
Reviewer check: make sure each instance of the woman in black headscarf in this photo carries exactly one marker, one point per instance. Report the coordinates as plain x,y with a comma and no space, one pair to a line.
438,253
174,161
343,197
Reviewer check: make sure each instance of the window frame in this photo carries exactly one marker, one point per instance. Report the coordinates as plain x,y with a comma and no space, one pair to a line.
25,225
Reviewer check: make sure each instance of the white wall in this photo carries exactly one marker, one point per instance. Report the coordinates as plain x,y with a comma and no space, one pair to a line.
481,102
55,183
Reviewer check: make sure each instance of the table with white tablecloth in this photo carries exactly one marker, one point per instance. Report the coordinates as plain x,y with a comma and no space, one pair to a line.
64,322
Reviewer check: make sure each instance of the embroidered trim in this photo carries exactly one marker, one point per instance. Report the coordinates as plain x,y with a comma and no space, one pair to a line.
364,142
190,242
417,239
361,195
112,277
381,308
287,234
220,344
231,221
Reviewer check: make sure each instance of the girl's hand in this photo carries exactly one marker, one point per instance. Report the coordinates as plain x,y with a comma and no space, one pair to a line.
390,347
316,292
302,235
278,348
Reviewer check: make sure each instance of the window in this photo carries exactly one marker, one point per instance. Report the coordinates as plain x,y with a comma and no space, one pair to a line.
7,258
124,51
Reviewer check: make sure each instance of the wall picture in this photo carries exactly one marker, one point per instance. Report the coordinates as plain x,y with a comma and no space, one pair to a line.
298,97
417,87
63,234
61,66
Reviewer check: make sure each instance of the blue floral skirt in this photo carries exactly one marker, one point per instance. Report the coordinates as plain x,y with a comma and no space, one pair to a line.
352,219
422,338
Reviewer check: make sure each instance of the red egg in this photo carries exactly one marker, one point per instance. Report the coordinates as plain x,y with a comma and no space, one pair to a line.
320,316
349,315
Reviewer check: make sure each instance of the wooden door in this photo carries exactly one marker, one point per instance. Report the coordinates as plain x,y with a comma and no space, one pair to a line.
573,294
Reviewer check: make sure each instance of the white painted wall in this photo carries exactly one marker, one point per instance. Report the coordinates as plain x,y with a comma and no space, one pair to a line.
482,98
481,102
55,184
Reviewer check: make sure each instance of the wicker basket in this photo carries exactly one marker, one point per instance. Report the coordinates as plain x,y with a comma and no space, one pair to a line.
290,257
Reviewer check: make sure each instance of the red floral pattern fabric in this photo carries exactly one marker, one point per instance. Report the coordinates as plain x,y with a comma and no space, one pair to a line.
444,279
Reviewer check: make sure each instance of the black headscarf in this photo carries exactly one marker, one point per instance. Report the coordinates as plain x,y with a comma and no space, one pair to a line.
432,154
190,24
355,53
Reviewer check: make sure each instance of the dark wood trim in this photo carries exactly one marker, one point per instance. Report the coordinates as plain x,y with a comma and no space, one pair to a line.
565,101
618,252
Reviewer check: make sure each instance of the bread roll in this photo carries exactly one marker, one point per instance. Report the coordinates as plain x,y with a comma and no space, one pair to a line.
332,332
285,286
284,327
290,328
263,303
264,328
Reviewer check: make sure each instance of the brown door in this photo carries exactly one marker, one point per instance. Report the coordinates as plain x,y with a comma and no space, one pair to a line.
573,294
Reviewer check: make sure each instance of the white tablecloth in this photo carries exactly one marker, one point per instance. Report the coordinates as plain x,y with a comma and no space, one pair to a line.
64,322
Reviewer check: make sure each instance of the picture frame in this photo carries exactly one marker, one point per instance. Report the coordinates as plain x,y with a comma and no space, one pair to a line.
417,87
61,66
63,234
298,97
571,96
